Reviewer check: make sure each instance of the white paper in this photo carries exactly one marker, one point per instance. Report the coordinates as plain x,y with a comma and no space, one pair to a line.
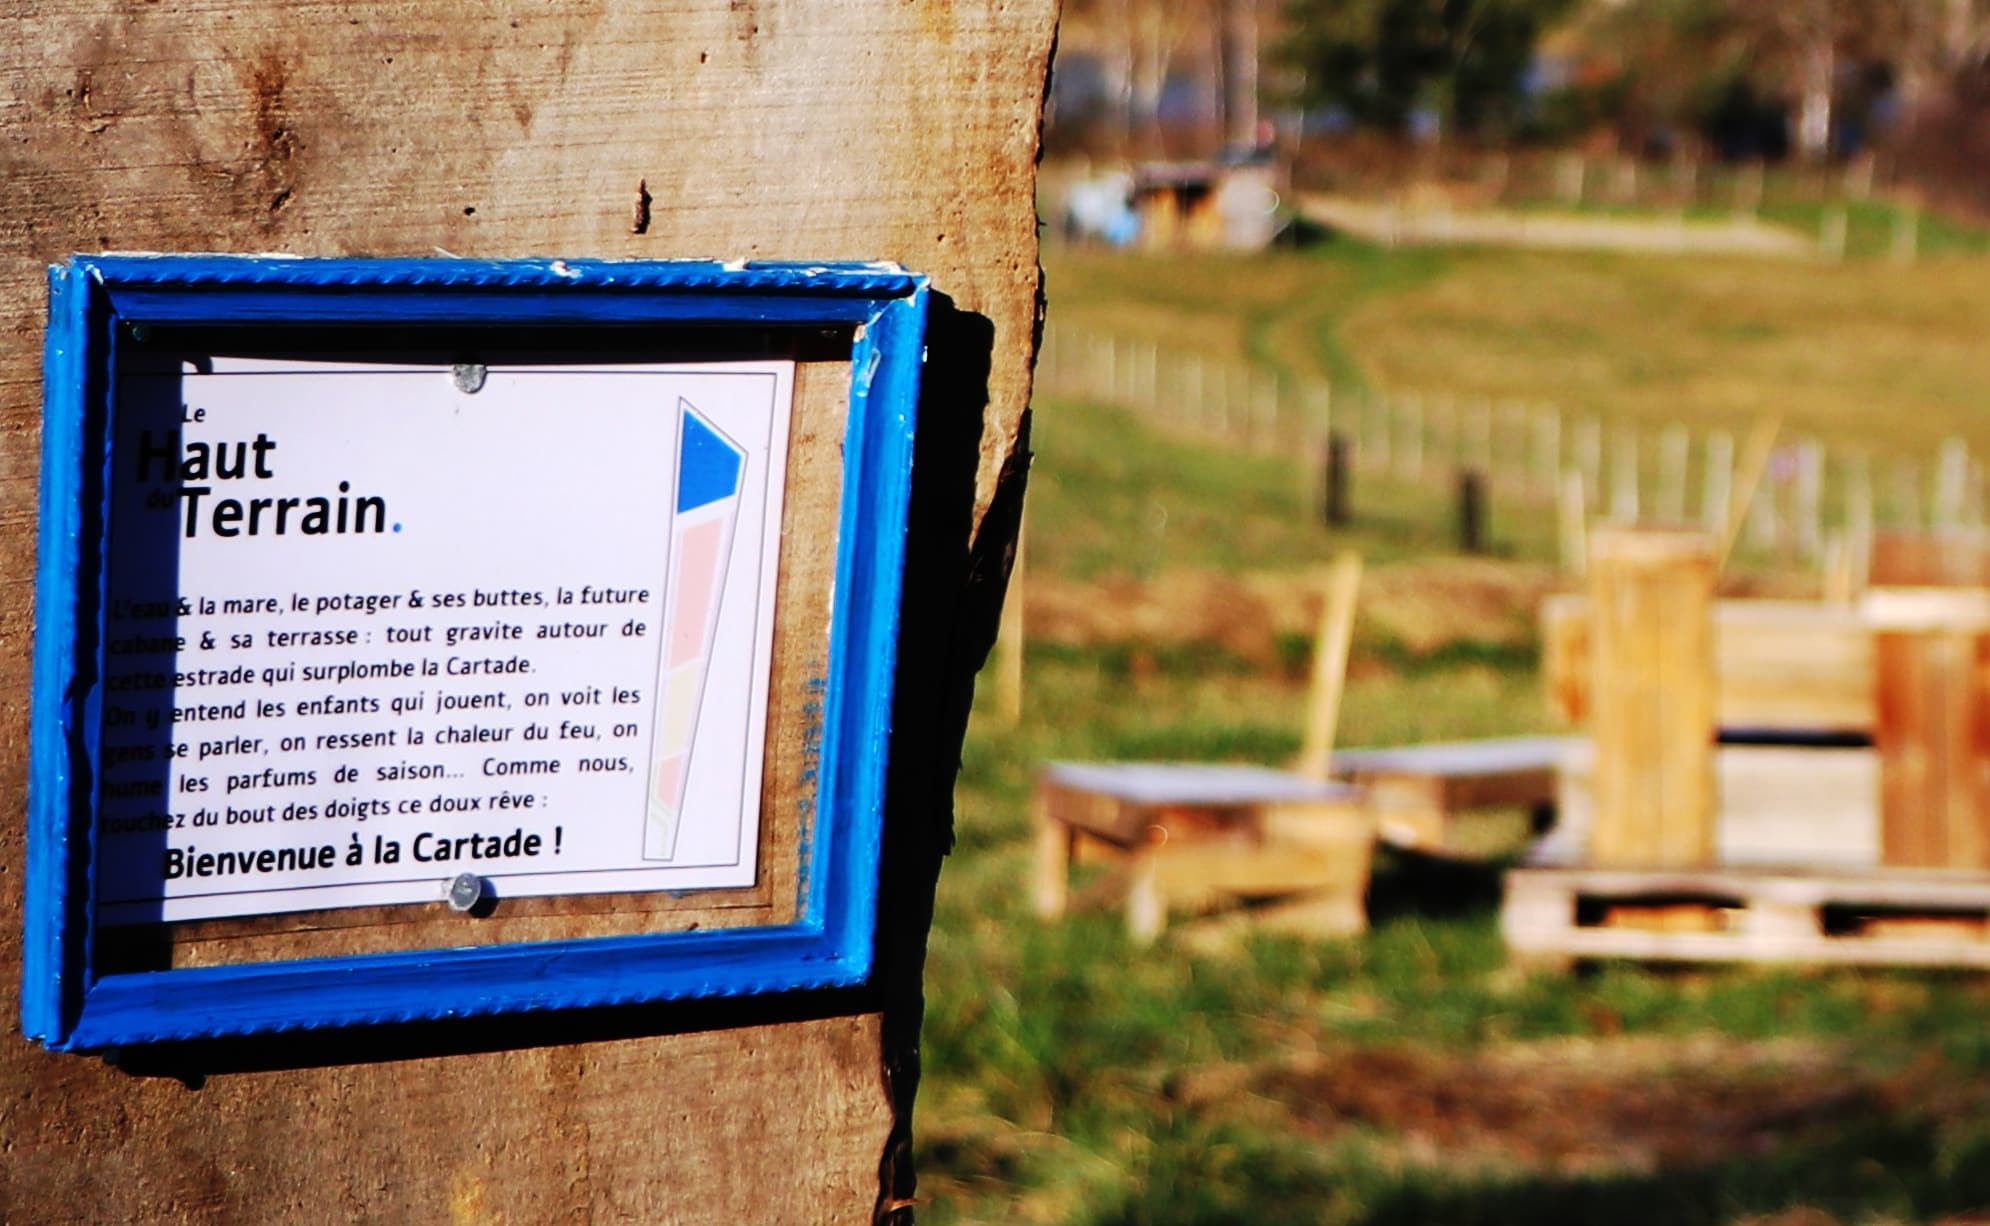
367,631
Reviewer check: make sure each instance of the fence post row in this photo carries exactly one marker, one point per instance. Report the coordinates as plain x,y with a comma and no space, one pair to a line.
1806,496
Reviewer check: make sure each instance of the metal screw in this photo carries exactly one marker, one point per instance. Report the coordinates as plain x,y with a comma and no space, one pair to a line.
470,377
465,890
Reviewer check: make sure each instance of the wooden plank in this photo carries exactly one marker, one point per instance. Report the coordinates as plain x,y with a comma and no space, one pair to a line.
1781,664
1565,656
1776,806
1934,744
1955,558
1653,694
1784,805
491,130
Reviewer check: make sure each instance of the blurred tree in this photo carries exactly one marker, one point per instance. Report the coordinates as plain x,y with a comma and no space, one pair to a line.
1386,63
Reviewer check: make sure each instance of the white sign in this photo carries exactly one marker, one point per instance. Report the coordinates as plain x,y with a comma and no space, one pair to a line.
367,629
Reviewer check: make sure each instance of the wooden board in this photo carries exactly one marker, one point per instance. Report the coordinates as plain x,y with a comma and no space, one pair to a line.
1934,748
1955,558
1872,917
1775,805
1652,686
1801,666
657,128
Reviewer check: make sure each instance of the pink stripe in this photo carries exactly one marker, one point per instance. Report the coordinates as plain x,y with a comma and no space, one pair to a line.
668,776
697,576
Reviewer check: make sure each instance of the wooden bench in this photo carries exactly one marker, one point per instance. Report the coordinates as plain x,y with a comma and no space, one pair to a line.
1182,837
1415,790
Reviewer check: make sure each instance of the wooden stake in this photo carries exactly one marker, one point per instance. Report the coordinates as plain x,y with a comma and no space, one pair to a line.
1330,650
1010,640
1572,517
1754,462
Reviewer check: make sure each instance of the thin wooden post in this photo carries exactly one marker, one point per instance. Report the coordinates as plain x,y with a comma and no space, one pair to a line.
1330,650
1572,521
1547,450
1951,484
1334,485
1471,510
1717,489
1478,441
1754,463
1906,495
1652,697
1809,510
1589,454
1381,432
1859,520
1673,448
1444,434
1624,479
1010,639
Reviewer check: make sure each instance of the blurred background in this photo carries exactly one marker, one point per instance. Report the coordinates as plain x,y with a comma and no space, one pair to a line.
1630,357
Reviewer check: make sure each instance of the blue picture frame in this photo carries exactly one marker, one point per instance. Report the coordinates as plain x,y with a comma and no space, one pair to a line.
66,1004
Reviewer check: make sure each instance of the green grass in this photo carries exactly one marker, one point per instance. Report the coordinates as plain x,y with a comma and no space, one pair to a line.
1415,1073
1866,354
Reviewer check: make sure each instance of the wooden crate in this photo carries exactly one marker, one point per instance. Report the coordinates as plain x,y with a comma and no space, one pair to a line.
1190,838
1876,916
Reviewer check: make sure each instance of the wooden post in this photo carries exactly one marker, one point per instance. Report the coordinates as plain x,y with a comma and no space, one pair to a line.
1471,510
1951,484
320,131
1410,464
1624,479
1377,430
1572,520
1589,455
1334,485
1755,458
1652,697
1011,641
1717,489
1906,495
1859,520
1808,513
1330,650
1673,447
1547,450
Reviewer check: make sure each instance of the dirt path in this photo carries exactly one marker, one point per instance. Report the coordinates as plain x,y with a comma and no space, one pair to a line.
1393,225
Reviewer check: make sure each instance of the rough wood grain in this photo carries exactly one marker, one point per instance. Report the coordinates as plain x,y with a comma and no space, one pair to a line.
1652,679
845,129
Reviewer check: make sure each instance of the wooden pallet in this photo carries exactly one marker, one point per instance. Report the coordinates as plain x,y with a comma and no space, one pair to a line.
1875,916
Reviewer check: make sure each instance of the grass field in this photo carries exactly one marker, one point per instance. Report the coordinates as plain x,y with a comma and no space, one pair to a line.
1866,354
1411,1075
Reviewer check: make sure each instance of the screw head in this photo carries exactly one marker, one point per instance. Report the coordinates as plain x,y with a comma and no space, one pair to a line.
465,889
